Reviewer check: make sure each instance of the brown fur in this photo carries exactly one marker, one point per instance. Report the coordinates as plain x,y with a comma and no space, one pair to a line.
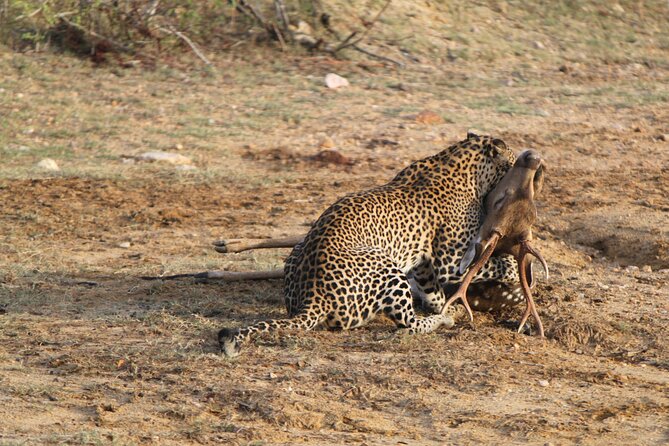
507,229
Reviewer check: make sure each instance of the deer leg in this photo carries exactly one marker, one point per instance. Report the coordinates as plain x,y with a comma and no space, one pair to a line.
241,244
531,308
461,293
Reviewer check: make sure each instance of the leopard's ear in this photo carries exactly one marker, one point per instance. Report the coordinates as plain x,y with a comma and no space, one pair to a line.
497,148
499,144
471,135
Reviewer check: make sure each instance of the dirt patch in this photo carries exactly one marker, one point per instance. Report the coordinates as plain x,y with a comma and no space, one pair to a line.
92,354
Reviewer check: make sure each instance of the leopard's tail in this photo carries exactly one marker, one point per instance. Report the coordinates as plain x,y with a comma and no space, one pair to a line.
231,340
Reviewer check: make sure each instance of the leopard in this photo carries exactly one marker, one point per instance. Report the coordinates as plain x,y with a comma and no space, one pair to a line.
367,251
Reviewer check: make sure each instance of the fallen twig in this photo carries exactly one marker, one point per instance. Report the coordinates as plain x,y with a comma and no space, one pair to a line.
226,276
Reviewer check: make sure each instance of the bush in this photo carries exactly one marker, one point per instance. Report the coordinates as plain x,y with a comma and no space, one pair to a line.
94,27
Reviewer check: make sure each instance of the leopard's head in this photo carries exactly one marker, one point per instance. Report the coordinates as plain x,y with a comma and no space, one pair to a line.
486,158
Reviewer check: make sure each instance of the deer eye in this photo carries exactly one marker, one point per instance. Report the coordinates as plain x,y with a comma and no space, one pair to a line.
500,201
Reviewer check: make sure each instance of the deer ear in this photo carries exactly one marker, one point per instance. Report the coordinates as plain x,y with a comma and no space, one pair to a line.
538,181
470,255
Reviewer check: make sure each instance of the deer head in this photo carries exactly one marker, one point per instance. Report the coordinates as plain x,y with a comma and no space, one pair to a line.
510,210
510,213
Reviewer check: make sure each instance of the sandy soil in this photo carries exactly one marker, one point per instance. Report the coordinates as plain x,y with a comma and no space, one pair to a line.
92,354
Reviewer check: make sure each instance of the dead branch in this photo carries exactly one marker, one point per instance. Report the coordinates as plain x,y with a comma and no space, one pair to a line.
279,36
368,28
241,244
378,56
190,43
226,276
346,43
282,16
70,23
251,11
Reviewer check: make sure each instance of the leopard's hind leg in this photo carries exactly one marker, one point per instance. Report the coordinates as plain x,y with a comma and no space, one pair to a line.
396,301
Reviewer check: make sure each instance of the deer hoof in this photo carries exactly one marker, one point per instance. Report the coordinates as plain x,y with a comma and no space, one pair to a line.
526,329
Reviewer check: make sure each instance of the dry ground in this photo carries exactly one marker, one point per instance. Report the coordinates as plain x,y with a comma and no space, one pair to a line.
91,354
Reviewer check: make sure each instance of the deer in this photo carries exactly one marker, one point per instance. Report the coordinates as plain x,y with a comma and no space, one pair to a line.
510,213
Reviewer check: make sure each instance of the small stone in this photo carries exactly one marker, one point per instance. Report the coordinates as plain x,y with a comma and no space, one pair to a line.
646,269
538,45
48,164
166,157
664,271
179,146
335,81
124,245
543,383
429,117
663,137
304,28
327,143
617,8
